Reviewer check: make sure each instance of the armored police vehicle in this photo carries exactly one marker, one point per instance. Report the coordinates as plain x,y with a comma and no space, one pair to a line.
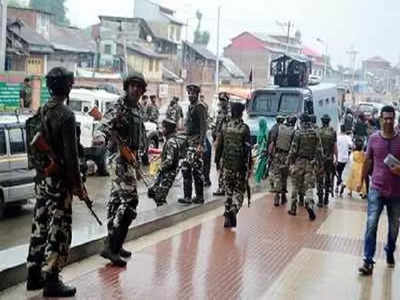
291,95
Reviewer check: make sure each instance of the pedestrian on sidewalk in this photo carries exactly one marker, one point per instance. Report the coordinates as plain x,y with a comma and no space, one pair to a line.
355,175
344,145
384,190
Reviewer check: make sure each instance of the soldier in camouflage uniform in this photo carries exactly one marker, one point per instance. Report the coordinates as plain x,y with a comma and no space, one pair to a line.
274,129
169,164
126,128
174,111
207,150
143,104
280,146
223,116
234,147
304,155
192,165
153,112
52,217
326,175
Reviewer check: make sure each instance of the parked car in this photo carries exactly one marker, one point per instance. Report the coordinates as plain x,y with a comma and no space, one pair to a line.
16,180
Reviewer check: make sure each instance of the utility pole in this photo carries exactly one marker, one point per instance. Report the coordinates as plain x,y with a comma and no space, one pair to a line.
3,33
326,55
352,55
288,25
217,66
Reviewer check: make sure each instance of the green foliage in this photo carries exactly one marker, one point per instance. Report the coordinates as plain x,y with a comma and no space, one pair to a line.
56,7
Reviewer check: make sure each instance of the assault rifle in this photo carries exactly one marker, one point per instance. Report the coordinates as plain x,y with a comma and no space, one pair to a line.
53,168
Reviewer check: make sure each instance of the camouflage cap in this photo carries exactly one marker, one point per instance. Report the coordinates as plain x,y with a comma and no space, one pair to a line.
326,117
305,118
223,96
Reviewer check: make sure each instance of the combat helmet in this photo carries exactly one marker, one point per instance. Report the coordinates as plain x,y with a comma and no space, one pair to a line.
325,119
134,77
59,81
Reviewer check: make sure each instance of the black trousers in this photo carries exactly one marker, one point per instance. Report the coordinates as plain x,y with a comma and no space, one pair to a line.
339,168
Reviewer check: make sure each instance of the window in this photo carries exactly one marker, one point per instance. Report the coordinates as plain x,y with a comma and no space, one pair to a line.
3,148
321,102
333,100
151,62
107,49
17,143
289,103
171,33
178,34
265,104
327,100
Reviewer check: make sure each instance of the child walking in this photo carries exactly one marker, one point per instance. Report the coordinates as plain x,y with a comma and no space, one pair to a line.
356,170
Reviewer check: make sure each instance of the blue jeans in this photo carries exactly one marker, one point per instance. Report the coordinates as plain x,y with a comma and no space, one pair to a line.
376,202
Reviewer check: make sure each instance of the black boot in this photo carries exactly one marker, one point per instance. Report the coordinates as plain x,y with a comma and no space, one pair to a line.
232,215
293,209
320,201
123,252
219,192
276,200
35,279
311,214
342,189
301,200
198,200
283,198
111,252
54,287
227,223
326,199
185,200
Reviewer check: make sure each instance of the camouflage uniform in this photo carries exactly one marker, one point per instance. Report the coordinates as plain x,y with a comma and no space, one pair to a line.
234,146
280,170
326,175
52,217
223,117
26,95
305,152
192,165
127,122
174,111
168,170
152,113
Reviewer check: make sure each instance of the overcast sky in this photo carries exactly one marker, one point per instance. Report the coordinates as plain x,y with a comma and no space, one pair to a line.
371,26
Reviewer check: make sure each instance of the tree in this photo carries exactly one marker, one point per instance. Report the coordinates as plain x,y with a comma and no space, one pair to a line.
200,37
55,7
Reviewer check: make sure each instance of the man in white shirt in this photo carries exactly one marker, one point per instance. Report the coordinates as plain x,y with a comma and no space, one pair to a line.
344,146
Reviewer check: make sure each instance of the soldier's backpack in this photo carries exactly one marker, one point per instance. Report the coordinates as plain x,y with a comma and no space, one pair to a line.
328,136
284,138
34,125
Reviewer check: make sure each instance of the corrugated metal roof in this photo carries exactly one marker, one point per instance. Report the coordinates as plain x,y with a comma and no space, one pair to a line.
201,50
232,68
144,51
172,18
71,39
30,36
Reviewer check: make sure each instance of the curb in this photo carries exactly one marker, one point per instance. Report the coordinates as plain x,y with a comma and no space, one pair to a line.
146,223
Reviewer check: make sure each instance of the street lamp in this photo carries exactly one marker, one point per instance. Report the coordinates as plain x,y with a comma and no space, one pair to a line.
326,55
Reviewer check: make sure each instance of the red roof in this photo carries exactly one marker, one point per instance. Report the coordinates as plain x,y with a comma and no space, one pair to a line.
310,52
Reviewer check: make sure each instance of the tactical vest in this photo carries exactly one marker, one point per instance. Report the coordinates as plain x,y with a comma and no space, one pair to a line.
130,128
284,139
308,143
233,151
327,135
193,119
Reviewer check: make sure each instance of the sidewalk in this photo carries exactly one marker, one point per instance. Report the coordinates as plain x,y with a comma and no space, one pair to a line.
271,255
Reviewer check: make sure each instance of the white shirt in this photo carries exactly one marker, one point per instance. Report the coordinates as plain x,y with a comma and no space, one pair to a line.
344,144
